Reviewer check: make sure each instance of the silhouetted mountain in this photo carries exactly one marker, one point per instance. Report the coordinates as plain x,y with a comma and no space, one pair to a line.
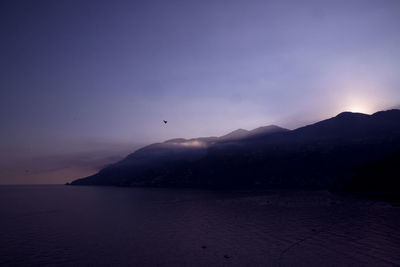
326,154
162,155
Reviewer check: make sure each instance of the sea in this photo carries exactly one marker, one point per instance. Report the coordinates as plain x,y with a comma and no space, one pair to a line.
57,225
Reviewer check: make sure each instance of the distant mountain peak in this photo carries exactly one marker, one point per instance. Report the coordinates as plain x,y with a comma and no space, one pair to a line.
349,114
384,113
242,134
236,134
387,112
240,130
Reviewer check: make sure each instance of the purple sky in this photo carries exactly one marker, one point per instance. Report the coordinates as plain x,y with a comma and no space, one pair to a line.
79,76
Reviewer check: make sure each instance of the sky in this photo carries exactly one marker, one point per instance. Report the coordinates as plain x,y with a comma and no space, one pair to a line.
91,81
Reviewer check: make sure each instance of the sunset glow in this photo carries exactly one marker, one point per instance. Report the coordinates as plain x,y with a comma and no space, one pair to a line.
360,105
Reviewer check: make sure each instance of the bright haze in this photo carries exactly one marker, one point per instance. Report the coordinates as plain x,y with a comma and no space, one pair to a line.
83,83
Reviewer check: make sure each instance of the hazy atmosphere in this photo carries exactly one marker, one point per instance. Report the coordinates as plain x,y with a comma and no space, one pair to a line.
200,133
84,83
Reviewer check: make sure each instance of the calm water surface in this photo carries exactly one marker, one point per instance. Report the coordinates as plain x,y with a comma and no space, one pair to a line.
104,226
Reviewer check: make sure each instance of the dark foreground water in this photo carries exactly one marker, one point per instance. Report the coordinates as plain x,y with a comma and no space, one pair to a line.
100,226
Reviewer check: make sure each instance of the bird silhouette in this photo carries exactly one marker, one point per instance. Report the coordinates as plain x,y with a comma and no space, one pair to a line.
165,121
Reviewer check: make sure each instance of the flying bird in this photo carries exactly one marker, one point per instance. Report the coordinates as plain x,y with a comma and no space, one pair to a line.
165,121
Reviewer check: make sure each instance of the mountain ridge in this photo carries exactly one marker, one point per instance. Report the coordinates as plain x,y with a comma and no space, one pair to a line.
316,154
